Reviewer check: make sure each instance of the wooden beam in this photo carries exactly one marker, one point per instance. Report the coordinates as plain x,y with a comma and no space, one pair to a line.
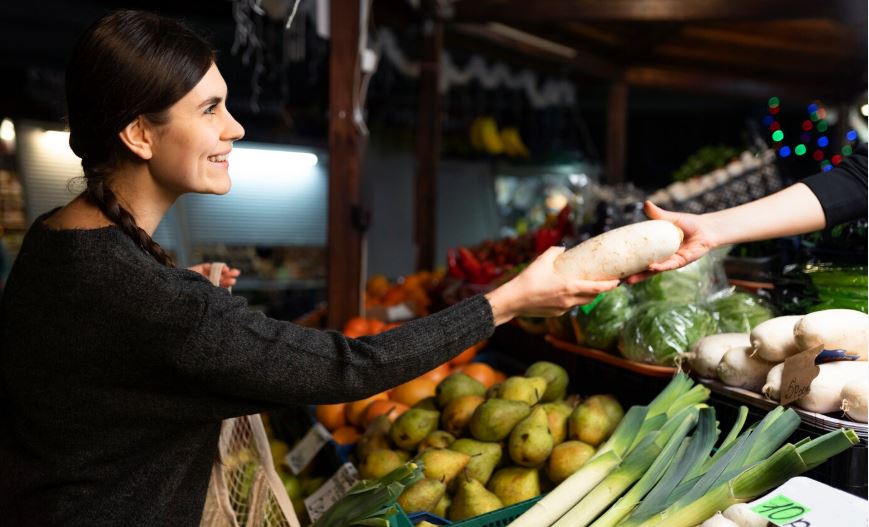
616,132
582,62
345,161
650,10
718,84
428,142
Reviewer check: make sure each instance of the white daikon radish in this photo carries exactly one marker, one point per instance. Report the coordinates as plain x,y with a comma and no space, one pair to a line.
621,252
845,329
706,354
719,521
742,515
739,368
772,387
825,392
854,395
773,340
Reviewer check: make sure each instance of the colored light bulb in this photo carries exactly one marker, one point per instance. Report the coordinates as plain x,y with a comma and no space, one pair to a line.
784,151
800,149
813,108
847,150
851,135
807,125
767,120
774,126
822,126
818,155
836,159
773,102
823,141
778,135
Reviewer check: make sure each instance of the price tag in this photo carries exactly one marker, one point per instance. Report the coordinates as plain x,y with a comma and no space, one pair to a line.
804,502
333,490
307,448
781,510
799,372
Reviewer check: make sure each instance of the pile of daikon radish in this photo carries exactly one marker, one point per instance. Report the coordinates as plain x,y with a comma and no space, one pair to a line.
755,361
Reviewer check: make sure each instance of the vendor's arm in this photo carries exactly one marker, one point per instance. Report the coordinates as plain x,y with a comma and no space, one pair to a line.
819,201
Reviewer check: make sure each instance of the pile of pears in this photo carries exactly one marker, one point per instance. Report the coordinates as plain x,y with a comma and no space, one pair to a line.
484,449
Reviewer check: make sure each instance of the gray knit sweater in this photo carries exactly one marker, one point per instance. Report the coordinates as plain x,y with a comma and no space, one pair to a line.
116,371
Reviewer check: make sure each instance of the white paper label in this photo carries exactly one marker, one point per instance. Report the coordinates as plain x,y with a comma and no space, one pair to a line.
827,507
331,491
307,448
399,312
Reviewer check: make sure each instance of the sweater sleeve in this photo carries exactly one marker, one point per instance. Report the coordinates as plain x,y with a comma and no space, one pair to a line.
843,190
241,354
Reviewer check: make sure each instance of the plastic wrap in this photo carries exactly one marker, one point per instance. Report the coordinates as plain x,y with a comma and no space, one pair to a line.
739,312
599,326
660,332
693,283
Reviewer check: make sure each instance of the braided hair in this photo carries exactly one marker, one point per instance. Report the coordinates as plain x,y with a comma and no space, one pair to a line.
127,64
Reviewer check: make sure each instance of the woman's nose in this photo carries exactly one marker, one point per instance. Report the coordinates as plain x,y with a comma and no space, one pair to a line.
233,130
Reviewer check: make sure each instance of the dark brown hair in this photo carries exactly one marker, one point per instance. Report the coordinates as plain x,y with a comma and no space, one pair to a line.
127,64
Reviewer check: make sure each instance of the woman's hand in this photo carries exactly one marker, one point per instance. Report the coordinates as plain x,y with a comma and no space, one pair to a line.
539,291
228,275
699,238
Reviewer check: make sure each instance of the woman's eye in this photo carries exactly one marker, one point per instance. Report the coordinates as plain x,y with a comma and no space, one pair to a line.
210,109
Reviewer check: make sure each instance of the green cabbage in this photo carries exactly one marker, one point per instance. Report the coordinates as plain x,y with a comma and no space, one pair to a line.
739,312
600,326
685,285
661,331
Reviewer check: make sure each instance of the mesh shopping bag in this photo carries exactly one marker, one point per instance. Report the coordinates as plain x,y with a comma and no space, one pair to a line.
245,490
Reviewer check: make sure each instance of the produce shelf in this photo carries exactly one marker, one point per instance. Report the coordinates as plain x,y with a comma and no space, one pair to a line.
651,370
823,422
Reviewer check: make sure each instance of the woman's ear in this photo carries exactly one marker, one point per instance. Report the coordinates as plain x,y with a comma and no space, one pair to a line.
137,136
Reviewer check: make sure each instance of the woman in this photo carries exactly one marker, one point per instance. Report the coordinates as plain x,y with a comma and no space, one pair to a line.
117,368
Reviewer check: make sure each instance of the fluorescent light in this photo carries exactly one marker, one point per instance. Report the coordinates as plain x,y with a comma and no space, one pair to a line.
271,159
532,40
56,141
7,130
865,110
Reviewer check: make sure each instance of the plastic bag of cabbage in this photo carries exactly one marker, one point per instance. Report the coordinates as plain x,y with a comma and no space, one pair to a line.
599,326
660,332
738,312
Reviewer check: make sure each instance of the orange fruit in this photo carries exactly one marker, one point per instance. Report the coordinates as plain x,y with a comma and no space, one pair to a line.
391,325
346,435
355,411
467,355
500,376
394,296
480,371
375,326
438,374
414,391
357,327
377,286
392,409
331,415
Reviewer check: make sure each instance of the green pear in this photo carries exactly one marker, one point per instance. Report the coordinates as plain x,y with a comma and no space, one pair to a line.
494,419
555,376
515,484
531,441
566,459
411,427
589,423
443,506
423,495
425,523
457,385
376,437
444,464
472,499
436,439
523,389
494,391
293,486
557,414
613,409
457,414
484,457
429,403
380,463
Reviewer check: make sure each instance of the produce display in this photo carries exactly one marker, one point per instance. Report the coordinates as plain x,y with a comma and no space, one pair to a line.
738,312
661,332
600,326
755,361
486,446
664,465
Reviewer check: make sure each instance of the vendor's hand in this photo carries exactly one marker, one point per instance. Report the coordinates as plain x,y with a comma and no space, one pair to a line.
539,291
698,240
228,275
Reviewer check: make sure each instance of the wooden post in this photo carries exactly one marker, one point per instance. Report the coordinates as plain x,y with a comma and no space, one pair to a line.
345,162
616,133
428,142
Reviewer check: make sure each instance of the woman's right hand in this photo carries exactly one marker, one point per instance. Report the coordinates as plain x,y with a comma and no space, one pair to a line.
539,291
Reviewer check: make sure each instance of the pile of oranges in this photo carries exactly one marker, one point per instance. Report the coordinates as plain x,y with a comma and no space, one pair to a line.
360,326
347,421
412,289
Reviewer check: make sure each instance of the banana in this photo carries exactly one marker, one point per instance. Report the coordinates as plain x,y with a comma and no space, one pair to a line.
507,141
513,142
476,136
491,137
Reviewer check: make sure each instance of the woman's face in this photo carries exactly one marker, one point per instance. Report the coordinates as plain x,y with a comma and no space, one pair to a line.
189,153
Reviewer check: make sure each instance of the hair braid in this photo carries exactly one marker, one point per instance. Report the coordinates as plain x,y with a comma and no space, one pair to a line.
102,196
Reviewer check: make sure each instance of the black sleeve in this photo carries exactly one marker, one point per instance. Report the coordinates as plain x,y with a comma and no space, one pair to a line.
842,191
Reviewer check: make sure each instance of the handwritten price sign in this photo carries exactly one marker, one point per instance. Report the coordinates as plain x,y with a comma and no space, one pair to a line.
782,511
